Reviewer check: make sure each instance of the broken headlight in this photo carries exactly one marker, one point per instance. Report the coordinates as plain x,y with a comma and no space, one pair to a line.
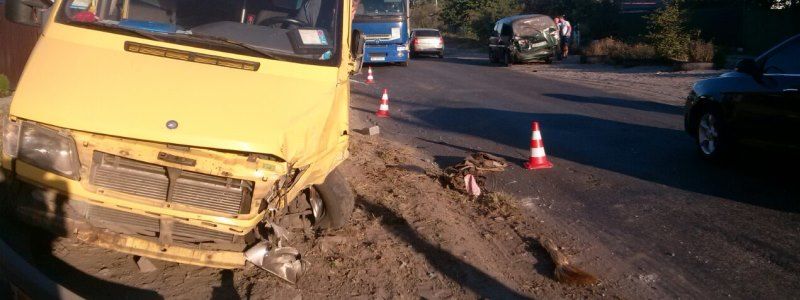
42,147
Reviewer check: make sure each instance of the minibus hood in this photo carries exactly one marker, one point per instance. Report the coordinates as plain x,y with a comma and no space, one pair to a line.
282,109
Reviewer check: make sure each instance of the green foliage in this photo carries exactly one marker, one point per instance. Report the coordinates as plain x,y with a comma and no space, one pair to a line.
475,18
5,86
668,33
425,15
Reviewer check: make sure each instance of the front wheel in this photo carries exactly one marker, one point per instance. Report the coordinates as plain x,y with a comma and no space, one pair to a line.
338,201
711,141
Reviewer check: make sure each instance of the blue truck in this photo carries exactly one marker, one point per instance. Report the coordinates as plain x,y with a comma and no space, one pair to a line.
385,23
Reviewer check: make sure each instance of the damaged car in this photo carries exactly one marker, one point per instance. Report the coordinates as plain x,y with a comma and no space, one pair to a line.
523,39
197,132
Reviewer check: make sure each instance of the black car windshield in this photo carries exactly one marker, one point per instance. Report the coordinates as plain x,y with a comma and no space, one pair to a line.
381,8
303,30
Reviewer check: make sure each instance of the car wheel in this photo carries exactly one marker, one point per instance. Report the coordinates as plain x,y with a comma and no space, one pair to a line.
338,201
441,54
711,142
492,58
506,58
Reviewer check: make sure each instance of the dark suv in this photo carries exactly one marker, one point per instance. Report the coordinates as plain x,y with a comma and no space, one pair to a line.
757,104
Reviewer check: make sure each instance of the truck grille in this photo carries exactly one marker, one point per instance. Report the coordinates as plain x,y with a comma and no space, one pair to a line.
116,220
219,194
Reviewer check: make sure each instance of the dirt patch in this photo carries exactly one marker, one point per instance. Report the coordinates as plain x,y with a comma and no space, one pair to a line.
656,83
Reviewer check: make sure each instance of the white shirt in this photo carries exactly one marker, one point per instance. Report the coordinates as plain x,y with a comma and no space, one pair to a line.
566,28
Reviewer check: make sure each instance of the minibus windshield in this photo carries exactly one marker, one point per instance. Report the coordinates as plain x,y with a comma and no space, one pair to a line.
298,30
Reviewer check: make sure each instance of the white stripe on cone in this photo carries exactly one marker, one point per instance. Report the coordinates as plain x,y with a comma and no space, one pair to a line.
537,136
537,152
384,107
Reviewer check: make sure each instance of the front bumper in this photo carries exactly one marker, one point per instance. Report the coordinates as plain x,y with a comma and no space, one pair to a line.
385,53
44,208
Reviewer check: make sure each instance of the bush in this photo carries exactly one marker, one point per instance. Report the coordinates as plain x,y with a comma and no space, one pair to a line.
603,47
620,52
700,51
667,32
5,86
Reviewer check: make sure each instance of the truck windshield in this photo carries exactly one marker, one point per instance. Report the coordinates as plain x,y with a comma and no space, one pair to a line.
381,8
301,30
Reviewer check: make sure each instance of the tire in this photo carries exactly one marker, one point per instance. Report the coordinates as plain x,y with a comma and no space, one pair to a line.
404,64
441,54
338,199
492,58
711,135
506,62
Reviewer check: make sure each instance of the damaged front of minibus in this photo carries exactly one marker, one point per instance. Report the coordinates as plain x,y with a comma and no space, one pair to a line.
193,131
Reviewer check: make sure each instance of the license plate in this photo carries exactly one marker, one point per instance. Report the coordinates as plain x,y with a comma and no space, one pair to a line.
378,58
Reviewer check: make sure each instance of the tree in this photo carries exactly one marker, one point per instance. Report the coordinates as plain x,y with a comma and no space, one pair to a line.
667,31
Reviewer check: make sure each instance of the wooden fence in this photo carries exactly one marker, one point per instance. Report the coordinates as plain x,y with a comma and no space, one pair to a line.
16,44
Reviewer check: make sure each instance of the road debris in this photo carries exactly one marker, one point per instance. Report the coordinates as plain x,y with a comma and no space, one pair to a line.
283,262
144,264
472,185
371,131
476,164
564,271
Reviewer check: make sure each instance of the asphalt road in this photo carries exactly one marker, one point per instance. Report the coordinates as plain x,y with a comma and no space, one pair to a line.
626,177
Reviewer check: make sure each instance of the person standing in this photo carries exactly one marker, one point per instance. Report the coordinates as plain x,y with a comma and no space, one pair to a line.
565,30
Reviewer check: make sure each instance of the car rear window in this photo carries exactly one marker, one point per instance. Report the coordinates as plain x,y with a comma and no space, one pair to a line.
426,33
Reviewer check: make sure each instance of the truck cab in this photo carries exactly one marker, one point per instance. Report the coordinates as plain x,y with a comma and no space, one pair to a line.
385,24
184,131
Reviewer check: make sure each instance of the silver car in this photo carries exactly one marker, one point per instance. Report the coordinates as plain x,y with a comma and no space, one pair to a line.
427,41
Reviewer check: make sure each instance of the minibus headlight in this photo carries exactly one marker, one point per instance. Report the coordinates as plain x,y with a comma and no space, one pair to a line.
10,137
48,150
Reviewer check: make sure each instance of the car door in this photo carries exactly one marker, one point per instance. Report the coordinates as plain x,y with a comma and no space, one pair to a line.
766,108
782,102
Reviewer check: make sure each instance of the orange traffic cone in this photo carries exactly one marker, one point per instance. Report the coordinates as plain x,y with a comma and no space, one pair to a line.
538,159
370,78
383,110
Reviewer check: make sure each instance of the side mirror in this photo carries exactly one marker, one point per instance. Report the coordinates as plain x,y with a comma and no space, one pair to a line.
748,66
357,45
26,12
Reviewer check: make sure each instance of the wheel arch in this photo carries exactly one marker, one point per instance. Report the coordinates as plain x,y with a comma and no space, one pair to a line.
704,103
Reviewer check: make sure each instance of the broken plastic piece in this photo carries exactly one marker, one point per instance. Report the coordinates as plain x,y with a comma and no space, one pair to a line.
472,185
283,262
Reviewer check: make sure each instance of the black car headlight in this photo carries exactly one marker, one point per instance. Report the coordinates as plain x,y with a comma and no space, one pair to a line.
41,147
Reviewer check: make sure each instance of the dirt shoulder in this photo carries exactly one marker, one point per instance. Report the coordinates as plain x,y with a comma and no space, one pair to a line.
654,83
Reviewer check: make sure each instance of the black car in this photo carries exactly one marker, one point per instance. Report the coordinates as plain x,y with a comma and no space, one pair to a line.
758,104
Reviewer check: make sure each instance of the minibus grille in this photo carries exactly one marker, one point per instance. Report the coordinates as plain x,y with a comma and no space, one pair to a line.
219,194
130,223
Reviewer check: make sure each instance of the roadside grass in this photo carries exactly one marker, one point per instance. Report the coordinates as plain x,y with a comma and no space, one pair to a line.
5,86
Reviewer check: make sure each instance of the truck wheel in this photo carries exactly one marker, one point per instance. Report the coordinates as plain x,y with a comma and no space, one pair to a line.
404,64
338,200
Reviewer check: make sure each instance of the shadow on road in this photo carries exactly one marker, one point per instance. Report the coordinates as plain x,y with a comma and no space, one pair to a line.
38,245
619,102
659,155
468,276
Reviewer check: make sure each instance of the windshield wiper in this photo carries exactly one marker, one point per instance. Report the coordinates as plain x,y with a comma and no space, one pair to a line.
155,37
235,43
117,27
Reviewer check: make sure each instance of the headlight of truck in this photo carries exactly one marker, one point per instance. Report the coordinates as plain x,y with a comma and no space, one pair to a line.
42,147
